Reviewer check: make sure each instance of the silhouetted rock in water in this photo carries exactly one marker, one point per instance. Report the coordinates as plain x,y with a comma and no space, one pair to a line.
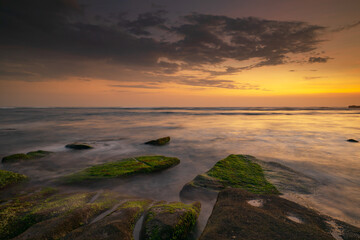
28,156
124,167
174,220
8,178
79,146
249,173
354,106
159,142
237,171
352,140
235,216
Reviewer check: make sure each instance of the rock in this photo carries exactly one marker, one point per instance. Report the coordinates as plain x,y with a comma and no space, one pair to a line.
174,221
8,178
118,225
236,171
51,215
79,146
159,142
124,167
277,218
285,179
352,140
21,156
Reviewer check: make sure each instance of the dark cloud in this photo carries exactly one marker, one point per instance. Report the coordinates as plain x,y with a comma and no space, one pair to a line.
318,59
56,38
144,21
346,27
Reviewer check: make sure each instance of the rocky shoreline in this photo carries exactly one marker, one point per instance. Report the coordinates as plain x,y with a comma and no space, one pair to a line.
248,205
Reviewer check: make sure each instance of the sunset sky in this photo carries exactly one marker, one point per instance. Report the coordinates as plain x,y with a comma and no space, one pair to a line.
142,53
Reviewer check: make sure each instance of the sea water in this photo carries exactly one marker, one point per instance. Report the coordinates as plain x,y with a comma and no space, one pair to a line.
309,140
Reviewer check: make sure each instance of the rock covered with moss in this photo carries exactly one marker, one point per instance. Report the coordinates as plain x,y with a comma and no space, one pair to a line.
79,146
8,178
47,214
27,156
159,142
124,167
236,171
239,214
170,221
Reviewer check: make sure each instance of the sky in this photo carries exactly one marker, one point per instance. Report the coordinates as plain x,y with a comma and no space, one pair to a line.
199,53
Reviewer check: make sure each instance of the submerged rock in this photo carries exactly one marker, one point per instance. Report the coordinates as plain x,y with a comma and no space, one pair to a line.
124,167
352,140
234,217
8,178
159,142
170,221
79,146
28,156
237,171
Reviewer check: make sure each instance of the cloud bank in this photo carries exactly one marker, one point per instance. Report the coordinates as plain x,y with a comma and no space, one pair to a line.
44,39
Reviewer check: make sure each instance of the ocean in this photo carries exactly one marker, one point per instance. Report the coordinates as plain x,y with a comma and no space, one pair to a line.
309,140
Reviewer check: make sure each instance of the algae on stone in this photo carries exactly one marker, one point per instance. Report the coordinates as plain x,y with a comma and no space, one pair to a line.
28,156
79,146
159,142
7,178
117,225
48,215
124,167
233,217
170,221
236,171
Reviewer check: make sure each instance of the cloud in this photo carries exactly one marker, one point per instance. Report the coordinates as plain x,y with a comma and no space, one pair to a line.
227,84
135,86
59,38
313,77
318,59
346,27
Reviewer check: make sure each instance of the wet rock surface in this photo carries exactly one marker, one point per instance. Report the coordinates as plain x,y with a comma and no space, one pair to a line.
8,178
79,146
28,156
233,217
159,142
237,171
170,221
122,168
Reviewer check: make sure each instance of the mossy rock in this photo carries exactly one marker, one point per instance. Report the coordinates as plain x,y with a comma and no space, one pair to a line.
159,142
118,224
79,146
170,221
51,215
27,156
236,217
124,167
8,178
236,171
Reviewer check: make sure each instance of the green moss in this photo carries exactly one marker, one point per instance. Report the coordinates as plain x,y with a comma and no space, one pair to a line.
7,178
237,171
28,156
173,220
159,142
125,167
